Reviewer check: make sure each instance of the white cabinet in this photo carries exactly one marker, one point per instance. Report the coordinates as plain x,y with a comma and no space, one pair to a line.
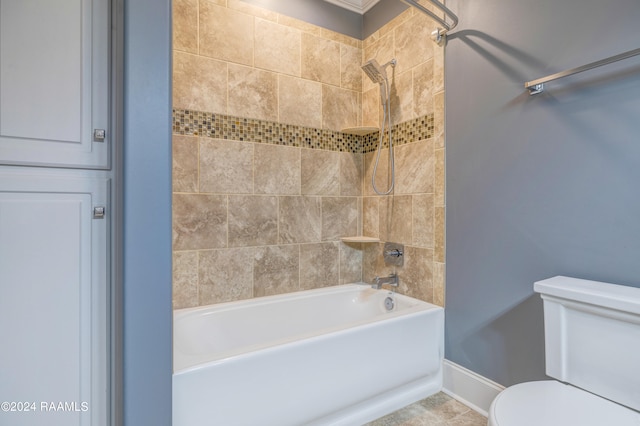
54,83
55,98
53,298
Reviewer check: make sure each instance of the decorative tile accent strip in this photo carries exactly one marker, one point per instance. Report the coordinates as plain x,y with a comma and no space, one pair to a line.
220,126
415,130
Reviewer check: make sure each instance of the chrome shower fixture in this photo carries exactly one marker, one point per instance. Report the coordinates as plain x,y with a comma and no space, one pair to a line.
439,34
378,74
375,72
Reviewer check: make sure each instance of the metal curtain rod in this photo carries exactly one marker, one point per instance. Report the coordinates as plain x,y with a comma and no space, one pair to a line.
537,86
437,35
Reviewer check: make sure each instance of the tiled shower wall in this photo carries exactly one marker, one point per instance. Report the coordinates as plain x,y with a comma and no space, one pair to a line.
237,59
265,184
414,215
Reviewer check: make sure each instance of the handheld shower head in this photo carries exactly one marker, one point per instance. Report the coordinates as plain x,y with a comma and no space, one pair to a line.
374,71
378,74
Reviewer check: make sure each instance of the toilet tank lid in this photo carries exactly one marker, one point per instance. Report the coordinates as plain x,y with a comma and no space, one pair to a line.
613,296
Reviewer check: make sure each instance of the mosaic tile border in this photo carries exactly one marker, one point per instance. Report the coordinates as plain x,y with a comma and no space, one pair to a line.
221,126
415,130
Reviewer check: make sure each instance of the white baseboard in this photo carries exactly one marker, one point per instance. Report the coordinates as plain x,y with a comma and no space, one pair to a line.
470,388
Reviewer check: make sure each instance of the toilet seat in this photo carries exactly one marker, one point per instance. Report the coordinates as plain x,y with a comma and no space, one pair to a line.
551,403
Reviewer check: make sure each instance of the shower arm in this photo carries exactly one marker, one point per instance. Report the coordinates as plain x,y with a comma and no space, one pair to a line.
438,34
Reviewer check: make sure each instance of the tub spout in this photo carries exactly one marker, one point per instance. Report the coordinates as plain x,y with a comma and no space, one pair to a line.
391,280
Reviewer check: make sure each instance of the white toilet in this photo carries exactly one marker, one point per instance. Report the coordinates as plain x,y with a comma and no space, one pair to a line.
592,346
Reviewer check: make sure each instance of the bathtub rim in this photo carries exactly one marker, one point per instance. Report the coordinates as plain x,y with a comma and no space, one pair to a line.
419,308
299,294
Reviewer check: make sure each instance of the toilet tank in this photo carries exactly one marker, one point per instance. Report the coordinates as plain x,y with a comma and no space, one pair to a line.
592,336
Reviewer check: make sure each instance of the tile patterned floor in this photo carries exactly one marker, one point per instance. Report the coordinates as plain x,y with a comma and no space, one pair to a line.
437,410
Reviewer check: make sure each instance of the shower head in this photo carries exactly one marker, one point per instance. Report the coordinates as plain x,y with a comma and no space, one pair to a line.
374,71
377,74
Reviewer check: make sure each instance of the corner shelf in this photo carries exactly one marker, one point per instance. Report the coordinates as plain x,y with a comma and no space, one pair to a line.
360,239
360,131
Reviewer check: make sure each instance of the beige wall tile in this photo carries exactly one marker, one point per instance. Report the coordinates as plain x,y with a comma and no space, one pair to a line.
320,59
276,270
320,172
371,216
340,38
299,101
373,263
225,34
351,170
185,25
360,216
199,83
350,263
340,108
438,283
439,178
438,70
401,97
226,166
199,221
395,219
413,44
415,167
371,107
438,120
320,265
185,279
367,42
416,276
273,92
383,178
242,6
253,220
253,93
423,89
300,219
350,67
381,50
277,47
339,217
423,220
301,25
277,169
185,163
395,22
225,275
439,232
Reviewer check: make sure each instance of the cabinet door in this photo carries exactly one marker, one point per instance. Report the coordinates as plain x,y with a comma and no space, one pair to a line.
54,82
53,300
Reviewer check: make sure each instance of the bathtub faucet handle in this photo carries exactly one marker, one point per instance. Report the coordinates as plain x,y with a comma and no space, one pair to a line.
395,253
391,280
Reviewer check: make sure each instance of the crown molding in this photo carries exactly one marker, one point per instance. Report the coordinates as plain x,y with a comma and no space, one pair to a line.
358,6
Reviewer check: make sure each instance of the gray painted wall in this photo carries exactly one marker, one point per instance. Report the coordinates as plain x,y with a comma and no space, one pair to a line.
536,186
338,19
317,12
147,213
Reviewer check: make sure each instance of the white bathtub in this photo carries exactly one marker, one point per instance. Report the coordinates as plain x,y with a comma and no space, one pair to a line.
331,356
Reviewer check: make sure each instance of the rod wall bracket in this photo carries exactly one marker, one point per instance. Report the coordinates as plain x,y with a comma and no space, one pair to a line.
536,88
438,36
